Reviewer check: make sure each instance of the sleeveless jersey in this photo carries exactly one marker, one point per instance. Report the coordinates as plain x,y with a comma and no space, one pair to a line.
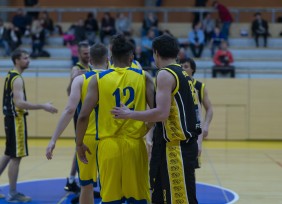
134,64
183,121
9,108
91,128
82,67
116,86
199,86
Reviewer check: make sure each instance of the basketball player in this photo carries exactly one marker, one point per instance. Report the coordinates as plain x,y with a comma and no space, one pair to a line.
87,172
15,106
189,65
122,156
177,130
81,67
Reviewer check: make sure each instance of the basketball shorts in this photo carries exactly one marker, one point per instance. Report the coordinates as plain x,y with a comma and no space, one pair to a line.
87,173
172,172
16,136
123,170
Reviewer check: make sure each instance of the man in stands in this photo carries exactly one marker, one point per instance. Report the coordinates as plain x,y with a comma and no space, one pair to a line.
260,28
223,59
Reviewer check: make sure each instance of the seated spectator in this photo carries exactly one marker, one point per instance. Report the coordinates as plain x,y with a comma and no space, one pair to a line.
181,54
223,60
141,57
196,40
14,38
217,38
150,22
38,39
79,31
146,43
4,38
107,26
72,45
260,28
208,27
47,23
91,27
123,24
21,21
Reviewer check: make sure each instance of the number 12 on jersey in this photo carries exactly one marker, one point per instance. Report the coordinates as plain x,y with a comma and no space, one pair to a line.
127,92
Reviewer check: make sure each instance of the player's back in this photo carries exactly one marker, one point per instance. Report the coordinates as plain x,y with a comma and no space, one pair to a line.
116,86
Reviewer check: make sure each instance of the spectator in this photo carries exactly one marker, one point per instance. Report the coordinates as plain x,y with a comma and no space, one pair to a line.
141,57
146,43
196,40
181,54
4,38
38,39
150,22
260,28
79,31
14,38
223,60
216,40
91,27
199,3
32,3
107,26
47,23
225,18
72,45
21,21
208,27
123,24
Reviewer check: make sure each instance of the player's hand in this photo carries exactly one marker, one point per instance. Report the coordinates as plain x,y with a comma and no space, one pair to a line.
81,153
50,108
205,132
122,112
199,147
49,149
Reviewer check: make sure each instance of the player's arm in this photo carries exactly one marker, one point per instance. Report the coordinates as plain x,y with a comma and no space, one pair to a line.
165,84
74,73
21,103
209,113
67,114
89,104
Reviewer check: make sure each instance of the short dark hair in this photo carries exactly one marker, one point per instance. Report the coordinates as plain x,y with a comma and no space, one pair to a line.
82,44
121,48
257,14
17,54
166,46
98,53
191,62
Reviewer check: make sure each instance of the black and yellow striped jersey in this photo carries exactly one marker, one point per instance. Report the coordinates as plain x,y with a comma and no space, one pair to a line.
9,108
82,67
183,121
199,86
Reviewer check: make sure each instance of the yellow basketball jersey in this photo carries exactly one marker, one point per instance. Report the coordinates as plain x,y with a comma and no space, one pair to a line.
91,128
134,64
116,86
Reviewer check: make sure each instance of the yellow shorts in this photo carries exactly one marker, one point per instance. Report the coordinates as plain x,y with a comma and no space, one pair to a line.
87,173
123,170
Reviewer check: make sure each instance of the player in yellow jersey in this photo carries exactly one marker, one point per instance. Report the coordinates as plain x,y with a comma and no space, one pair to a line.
134,63
175,149
189,65
87,173
81,67
122,156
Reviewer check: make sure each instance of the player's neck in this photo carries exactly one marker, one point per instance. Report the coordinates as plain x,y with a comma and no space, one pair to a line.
166,62
18,69
84,64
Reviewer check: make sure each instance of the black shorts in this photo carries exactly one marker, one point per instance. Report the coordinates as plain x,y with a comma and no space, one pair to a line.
16,136
172,172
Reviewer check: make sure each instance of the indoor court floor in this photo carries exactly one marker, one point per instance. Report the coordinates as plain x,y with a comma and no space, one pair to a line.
244,172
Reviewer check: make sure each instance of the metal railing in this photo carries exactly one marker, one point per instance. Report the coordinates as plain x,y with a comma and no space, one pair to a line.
130,10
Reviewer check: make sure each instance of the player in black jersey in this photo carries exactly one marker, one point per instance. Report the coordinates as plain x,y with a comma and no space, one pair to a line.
175,149
15,106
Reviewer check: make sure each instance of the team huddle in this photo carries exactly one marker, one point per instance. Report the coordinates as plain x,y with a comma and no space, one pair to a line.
116,108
